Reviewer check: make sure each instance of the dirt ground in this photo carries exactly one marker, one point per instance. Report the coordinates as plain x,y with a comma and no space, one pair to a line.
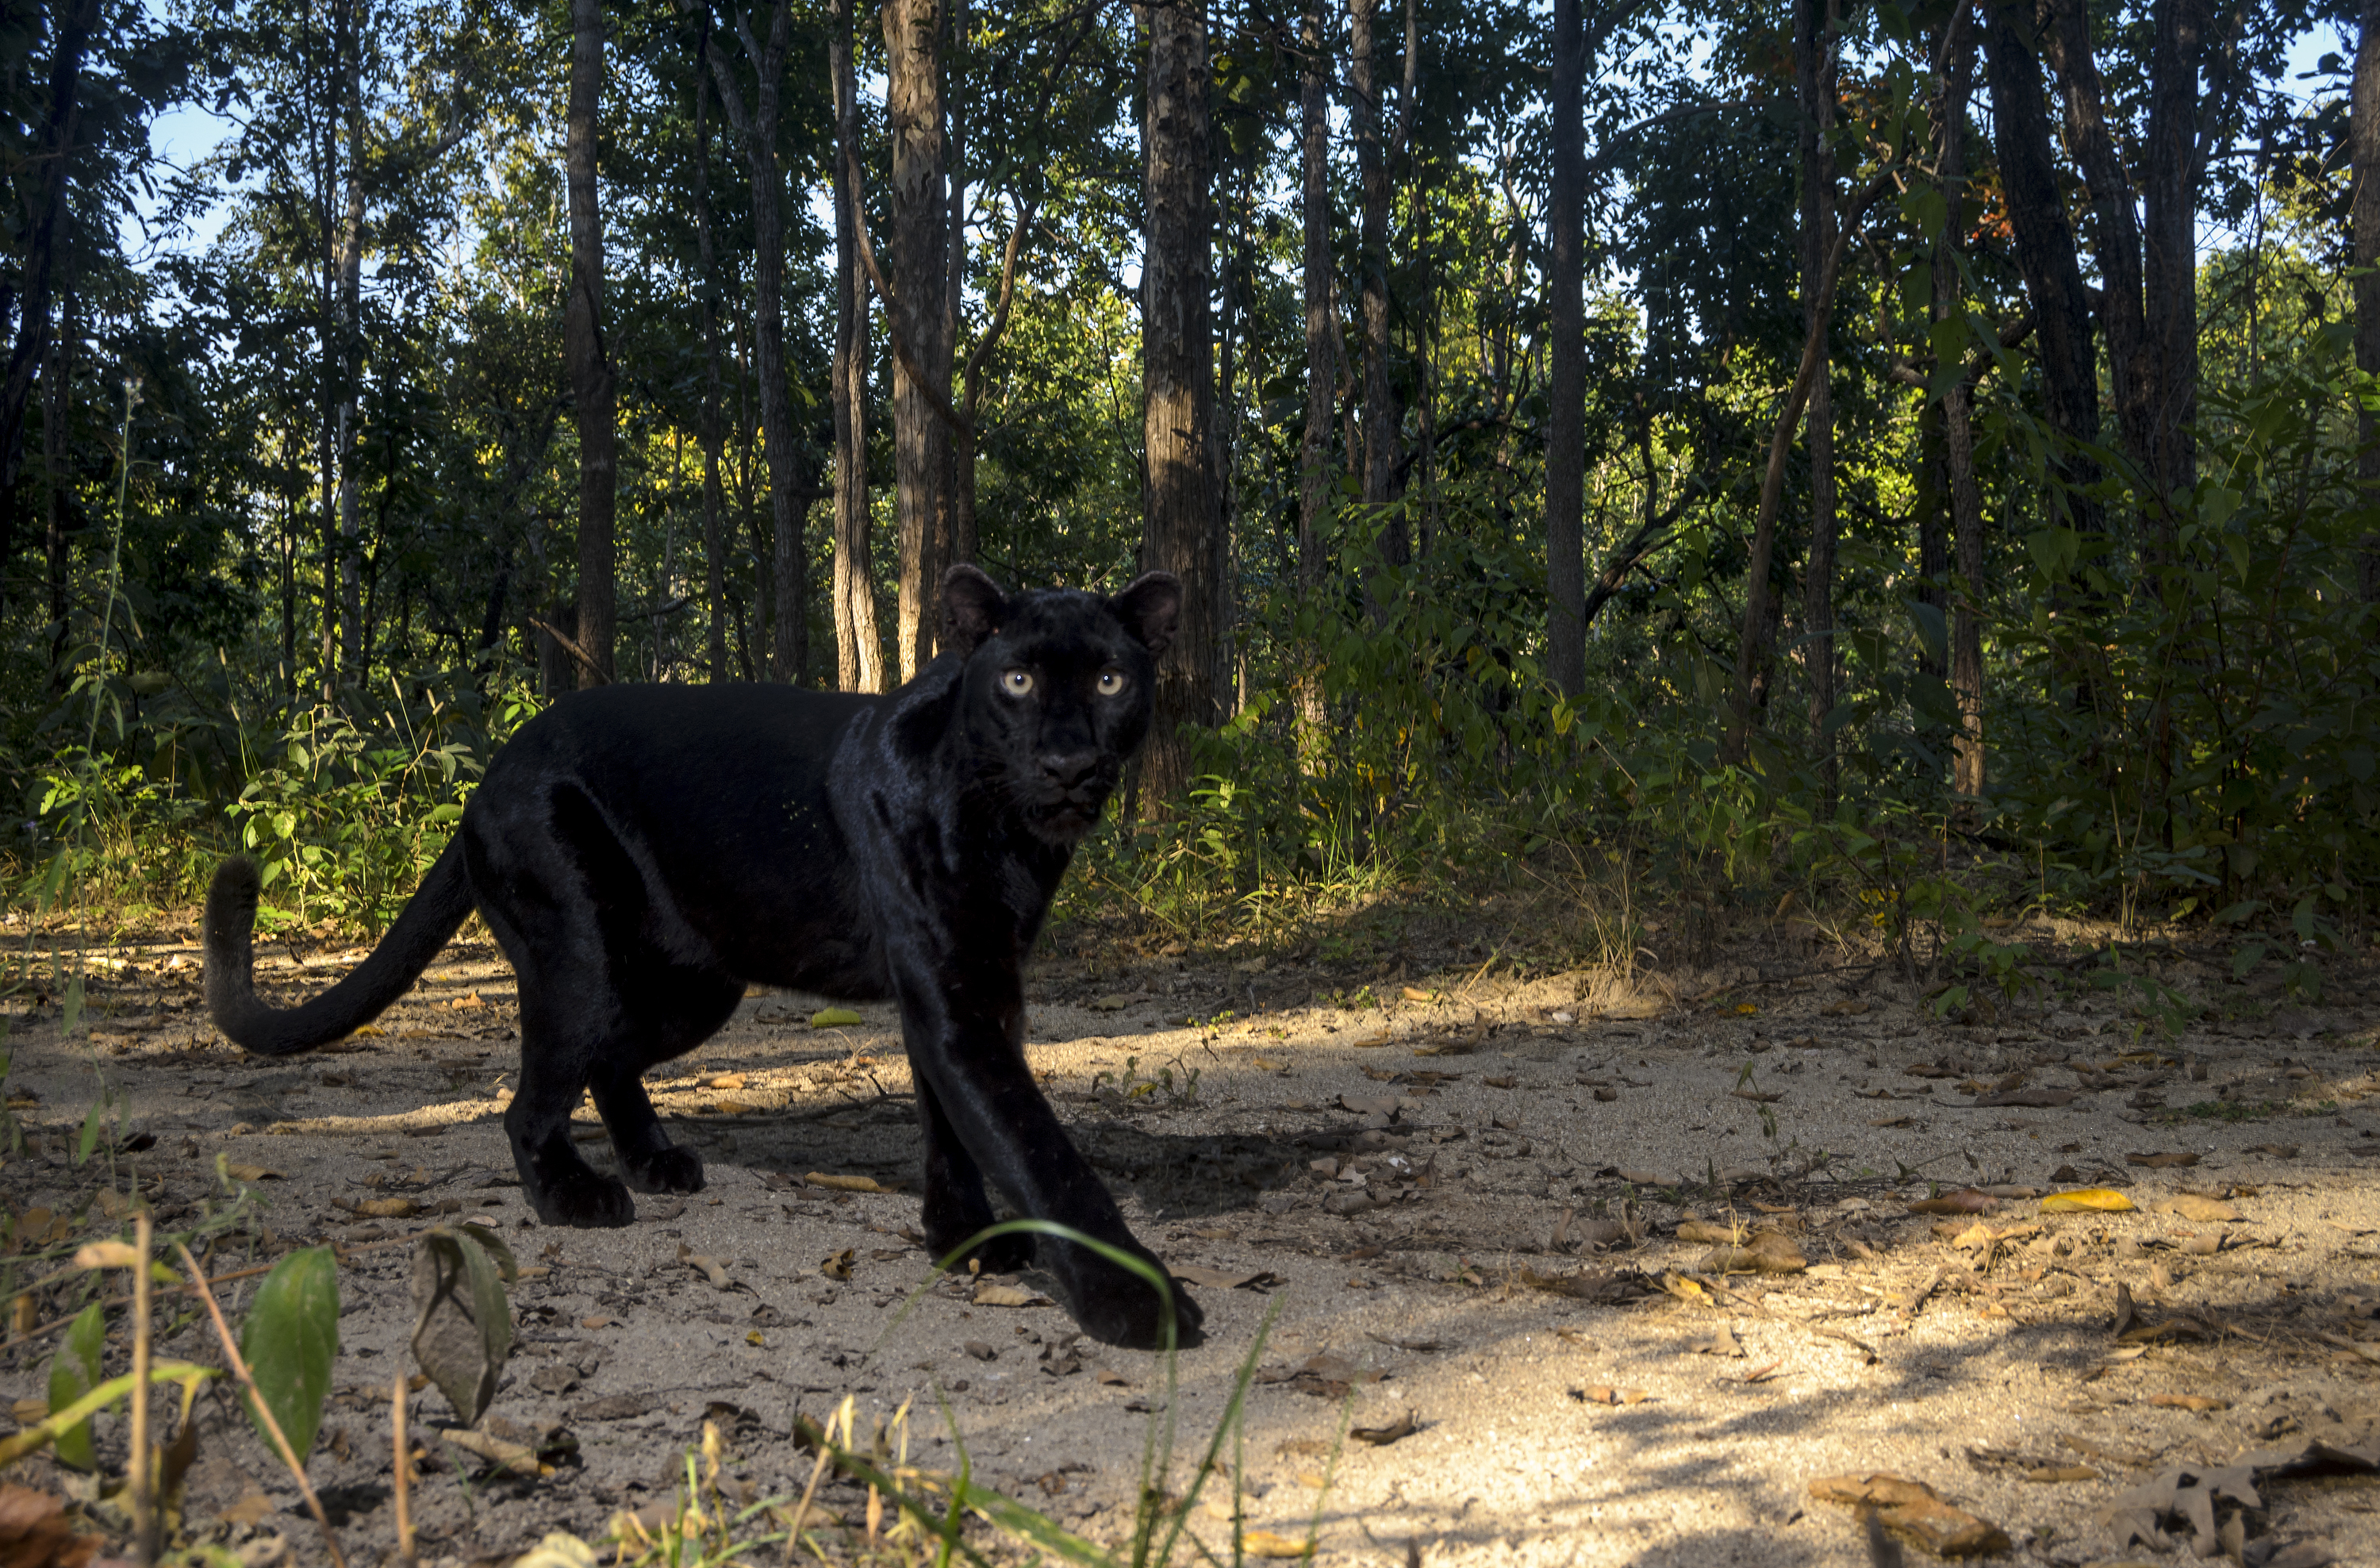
1456,1190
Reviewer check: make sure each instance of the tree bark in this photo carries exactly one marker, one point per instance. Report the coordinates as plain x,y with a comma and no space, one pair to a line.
1953,84
859,655
41,246
591,379
917,305
348,349
57,407
2133,369
2171,167
2364,137
1179,513
1566,378
1381,414
2045,256
714,433
1322,331
1814,60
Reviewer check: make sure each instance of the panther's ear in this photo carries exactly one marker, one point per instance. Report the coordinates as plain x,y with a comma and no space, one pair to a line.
1150,609
972,608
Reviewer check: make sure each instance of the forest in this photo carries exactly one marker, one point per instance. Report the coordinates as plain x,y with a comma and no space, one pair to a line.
1913,458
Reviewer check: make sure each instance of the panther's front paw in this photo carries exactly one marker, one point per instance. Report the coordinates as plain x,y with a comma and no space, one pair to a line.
668,1170
588,1201
1120,1308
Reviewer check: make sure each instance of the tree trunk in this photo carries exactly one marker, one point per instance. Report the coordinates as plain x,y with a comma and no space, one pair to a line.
591,378
2363,135
349,350
1322,332
1566,375
2131,369
1814,61
859,655
41,247
1179,511
919,311
1381,414
1952,86
2047,257
713,432
2170,169
57,407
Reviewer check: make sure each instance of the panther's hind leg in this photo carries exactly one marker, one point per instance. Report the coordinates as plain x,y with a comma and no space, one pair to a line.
672,1009
556,1052
956,1206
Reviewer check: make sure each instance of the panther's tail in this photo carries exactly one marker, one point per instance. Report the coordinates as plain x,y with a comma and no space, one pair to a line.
438,908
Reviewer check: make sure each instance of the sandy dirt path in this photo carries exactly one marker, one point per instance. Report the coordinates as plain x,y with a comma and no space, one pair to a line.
1455,1197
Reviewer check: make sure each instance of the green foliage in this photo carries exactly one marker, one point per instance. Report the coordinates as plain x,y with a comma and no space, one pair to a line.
74,1370
463,1323
290,1340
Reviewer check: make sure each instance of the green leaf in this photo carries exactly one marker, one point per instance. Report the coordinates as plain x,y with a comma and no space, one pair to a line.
89,1139
74,1372
71,1014
830,1017
290,1340
462,1323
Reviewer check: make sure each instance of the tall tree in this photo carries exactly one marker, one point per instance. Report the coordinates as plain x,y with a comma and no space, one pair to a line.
1953,81
1381,414
43,239
1566,355
1321,326
789,484
1813,72
2046,257
2364,132
712,433
592,381
859,654
346,343
917,309
1179,511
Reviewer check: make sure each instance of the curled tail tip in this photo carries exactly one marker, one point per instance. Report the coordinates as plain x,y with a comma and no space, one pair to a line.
231,898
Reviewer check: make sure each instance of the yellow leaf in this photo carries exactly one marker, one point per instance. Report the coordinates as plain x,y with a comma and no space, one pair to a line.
842,1184
1264,1543
1747,1008
756,1337
105,1255
387,1208
369,1032
251,1172
2100,1200
829,1017
1005,1295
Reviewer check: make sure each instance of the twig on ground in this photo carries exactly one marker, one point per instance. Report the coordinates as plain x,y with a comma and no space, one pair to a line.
404,1477
264,1411
144,1510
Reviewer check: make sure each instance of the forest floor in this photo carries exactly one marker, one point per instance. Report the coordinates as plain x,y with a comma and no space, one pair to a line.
1474,1205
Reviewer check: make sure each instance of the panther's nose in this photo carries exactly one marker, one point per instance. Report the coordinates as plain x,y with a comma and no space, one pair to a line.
1068,768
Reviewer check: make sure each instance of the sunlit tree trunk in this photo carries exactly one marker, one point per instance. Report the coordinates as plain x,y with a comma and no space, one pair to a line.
44,238
920,316
591,377
1814,61
1566,373
713,434
1314,474
1180,515
859,655
1382,416
1952,87
2363,133
349,351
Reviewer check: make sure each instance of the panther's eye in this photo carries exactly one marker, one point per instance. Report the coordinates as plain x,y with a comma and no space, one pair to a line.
1016,683
1111,683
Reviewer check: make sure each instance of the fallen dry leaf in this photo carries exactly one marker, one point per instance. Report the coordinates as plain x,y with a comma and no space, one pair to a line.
1847,1007
1915,1513
34,1532
835,1266
711,1270
1600,1393
1265,1543
387,1208
599,1322
2164,1160
2189,1402
993,1293
2062,1473
1705,1231
249,1173
1403,1426
1966,1201
518,1458
1221,1279
1720,1341
462,1003
1770,1252
2087,1200
842,1184
726,1080
2277,1150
